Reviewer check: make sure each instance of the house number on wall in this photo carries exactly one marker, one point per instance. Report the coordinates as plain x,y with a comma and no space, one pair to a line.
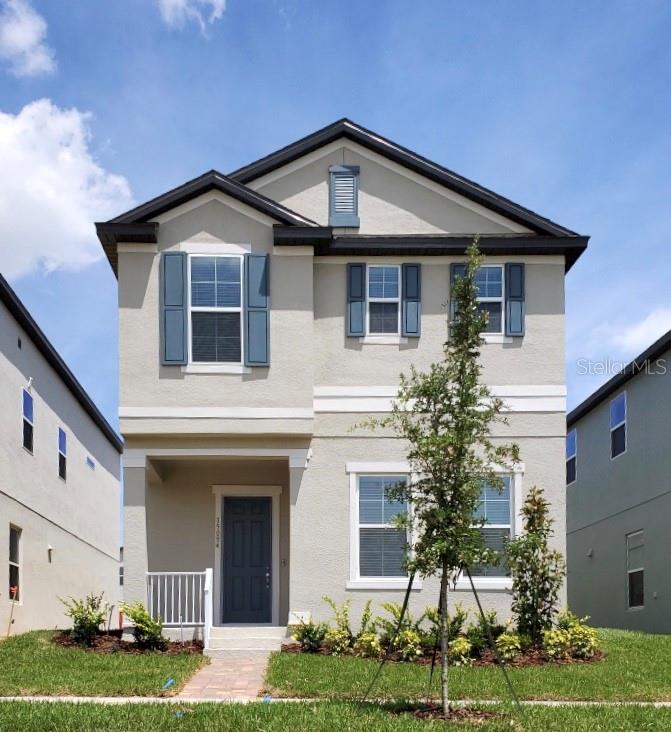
217,532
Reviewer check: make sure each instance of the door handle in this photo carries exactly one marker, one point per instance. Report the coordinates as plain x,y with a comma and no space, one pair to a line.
267,578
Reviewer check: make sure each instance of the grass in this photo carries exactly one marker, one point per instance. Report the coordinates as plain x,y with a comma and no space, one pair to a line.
32,664
636,668
306,717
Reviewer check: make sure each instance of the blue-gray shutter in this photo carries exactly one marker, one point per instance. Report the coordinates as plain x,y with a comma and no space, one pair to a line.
411,313
356,299
344,195
515,299
173,308
457,269
257,300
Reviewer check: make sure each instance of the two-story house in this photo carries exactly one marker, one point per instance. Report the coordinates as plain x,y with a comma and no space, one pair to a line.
263,315
618,500
59,481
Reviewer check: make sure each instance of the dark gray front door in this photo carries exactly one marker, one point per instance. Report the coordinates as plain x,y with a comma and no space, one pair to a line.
247,560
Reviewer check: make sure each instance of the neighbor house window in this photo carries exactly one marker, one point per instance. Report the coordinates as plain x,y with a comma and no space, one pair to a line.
496,509
571,456
14,563
635,572
215,309
381,544
618,425
384,310
27,421
90,462
62,454
489,284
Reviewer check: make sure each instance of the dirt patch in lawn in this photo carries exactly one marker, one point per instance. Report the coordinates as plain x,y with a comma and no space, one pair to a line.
464,715
113,643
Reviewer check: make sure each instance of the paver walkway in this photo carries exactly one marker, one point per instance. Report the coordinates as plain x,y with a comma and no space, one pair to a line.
232,677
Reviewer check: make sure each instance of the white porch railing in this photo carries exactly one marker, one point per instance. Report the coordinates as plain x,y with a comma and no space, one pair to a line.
181,598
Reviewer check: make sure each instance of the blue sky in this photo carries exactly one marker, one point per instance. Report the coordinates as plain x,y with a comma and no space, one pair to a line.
561,106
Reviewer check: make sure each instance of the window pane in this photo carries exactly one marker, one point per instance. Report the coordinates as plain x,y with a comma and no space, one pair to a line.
14,545
216,337
617,441
495,504
618,410
383,282
383,317
228,282
62,440
203,278
382,552
571,445
62,466
489,282
375,506
14,582
494,539
27,435
570,470
27,406
635,549
494,316
636,594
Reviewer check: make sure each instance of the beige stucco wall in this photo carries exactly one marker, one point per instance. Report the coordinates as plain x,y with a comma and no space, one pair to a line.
392,199
79,518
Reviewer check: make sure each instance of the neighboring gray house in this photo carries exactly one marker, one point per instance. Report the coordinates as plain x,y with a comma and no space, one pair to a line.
618,497
59,480
263,315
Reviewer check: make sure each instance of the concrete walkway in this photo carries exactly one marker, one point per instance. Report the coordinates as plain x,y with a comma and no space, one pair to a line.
227,678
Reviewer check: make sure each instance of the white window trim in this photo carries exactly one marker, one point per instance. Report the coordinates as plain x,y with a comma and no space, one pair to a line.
219,366
634,608
494,336
31,422
619,424
17,564
356,582
574,456
381,338
64,454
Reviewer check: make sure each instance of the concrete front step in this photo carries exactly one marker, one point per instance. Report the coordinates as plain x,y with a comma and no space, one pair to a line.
241,639
238,653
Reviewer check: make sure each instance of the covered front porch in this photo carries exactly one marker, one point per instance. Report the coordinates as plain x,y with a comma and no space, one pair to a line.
208,537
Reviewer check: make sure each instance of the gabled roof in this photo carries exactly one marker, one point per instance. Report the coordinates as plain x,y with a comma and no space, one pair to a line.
34,332
403,156
136,226
640,363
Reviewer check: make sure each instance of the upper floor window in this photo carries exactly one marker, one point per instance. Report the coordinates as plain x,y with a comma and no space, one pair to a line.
571,456
496,509
62,454
14,563
344,195
27,421
215,300
384,315
489,283
635,571
618,425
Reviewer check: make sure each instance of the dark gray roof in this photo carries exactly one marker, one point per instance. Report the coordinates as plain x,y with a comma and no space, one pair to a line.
403,156
34,332
640,363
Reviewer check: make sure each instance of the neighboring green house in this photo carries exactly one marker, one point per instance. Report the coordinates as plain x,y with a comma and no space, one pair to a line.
262,315
618,497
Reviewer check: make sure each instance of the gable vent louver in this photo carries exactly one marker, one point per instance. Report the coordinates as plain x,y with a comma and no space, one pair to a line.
343,195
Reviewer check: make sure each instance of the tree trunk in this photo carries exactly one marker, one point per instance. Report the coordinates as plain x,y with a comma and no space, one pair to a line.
444,638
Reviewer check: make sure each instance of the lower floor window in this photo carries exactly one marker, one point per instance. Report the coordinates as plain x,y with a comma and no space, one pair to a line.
635,571
14,563
382,545
495,509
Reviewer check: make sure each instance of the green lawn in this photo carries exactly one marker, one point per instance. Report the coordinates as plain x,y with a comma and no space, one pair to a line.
304,717
32,664
637,668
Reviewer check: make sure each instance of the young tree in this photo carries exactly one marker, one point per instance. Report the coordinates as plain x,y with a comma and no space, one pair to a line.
537,570
445,416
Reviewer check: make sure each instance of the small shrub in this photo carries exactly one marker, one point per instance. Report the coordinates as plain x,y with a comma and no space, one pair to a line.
455,625
408,645
309,635
583,640
148,633
367,625
479,632
342,621
557,644
338,641
508,646
389,626
87,616
459,651
368,645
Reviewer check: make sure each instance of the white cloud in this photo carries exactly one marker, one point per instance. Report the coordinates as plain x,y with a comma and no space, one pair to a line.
22,35
639,336
176,13
52,190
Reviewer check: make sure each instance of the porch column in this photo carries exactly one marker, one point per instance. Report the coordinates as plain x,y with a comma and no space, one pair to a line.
298,533
135,531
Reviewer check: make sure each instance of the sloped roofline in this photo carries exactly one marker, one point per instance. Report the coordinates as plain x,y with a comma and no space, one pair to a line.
403,156
26,321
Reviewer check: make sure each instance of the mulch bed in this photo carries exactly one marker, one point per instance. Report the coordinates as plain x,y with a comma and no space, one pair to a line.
112,643
456,714
533,657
